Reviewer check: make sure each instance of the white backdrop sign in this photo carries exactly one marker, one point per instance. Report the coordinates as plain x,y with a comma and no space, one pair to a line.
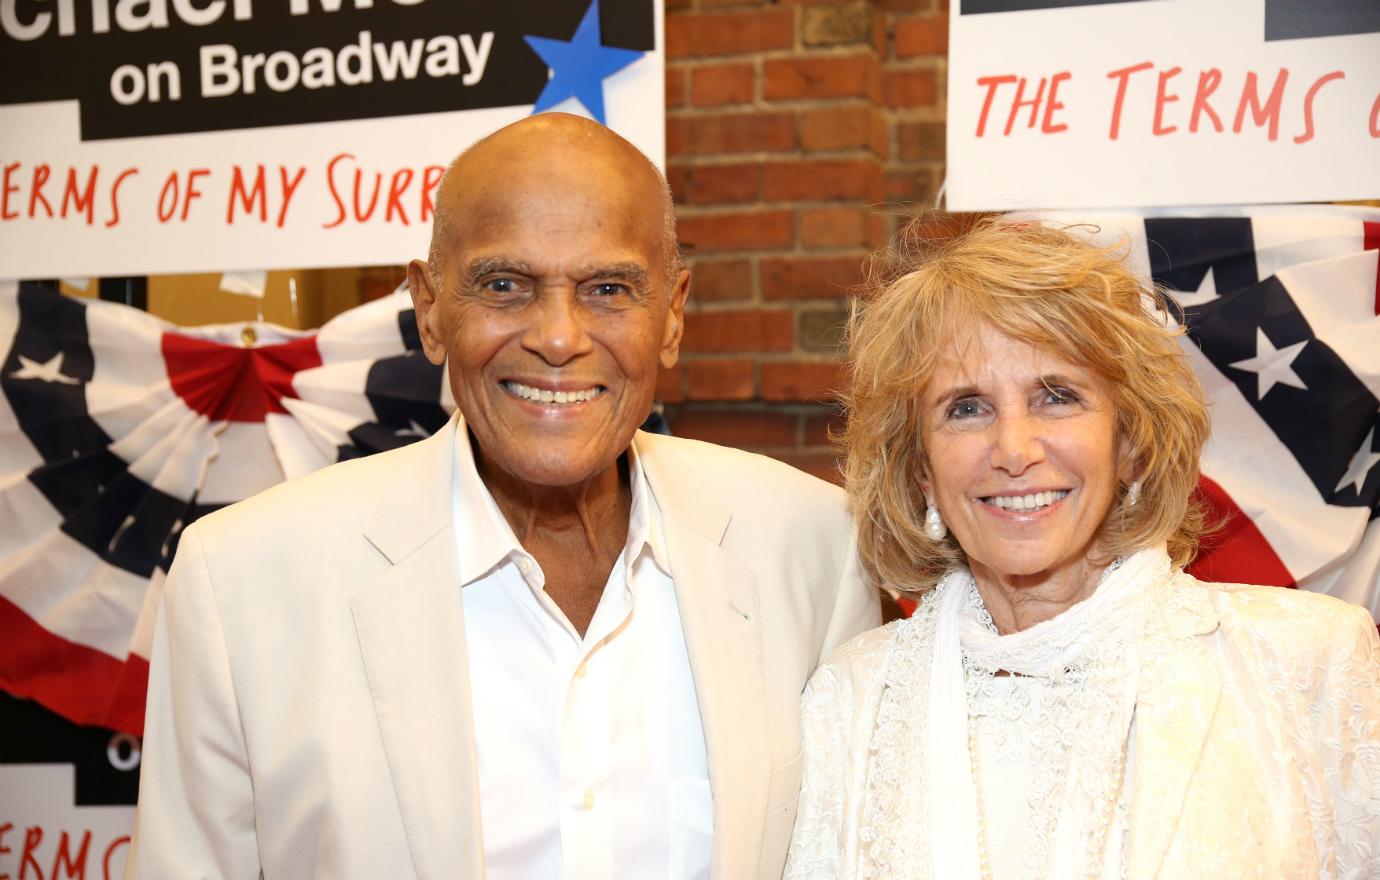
1086,103
147,136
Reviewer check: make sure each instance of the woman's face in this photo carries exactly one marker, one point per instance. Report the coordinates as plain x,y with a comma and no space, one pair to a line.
1022,457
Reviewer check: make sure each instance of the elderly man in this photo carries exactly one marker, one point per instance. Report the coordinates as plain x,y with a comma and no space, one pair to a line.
537,644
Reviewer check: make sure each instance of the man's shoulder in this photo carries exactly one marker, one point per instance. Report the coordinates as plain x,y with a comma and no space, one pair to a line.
346,490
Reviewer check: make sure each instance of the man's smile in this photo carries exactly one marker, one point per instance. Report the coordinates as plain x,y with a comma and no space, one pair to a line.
559,397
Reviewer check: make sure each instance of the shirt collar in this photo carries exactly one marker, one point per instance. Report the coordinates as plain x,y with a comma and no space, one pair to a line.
644,521
483,538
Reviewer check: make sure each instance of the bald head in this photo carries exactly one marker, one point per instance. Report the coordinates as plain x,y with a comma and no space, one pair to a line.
549,146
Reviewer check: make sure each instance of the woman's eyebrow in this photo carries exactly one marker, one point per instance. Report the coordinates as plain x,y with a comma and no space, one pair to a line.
956,393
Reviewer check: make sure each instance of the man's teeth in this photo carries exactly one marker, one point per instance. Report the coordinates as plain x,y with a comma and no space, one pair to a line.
1025,502
546,395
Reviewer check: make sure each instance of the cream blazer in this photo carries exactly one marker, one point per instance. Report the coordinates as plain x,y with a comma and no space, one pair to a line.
1256,744
309,712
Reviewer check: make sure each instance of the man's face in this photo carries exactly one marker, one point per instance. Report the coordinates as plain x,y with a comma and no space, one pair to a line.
555,310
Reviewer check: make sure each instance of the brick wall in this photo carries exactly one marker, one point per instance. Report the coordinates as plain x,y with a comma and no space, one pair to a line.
797,135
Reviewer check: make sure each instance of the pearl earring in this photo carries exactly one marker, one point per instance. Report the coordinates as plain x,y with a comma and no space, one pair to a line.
1133,493
935,529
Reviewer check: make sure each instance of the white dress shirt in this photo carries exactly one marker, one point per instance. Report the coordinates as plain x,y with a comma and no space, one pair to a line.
590,752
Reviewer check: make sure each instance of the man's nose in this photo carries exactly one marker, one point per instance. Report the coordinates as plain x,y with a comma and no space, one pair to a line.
1018,444
556,332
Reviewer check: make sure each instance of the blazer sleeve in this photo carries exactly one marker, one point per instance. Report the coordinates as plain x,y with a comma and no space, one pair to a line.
196,803
826,714
857,605
1347,714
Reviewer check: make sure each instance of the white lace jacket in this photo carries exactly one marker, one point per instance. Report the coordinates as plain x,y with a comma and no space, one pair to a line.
1257,745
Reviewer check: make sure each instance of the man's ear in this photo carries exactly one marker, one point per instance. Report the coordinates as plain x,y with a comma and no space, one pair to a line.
675,320
428,316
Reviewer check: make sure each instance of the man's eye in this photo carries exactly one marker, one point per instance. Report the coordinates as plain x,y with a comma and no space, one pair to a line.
609,288
500,285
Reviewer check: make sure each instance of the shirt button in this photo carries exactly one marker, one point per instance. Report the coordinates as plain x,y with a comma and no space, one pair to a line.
524,565
589,800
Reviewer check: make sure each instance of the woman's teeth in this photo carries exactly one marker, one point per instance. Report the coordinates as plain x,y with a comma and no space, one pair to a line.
546,395
1025,502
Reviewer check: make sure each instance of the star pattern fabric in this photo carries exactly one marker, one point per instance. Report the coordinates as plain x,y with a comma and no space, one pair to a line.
1271,365
48,371
1358,470
579,66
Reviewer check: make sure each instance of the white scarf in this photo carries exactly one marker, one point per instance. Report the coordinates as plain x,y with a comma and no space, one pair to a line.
930,710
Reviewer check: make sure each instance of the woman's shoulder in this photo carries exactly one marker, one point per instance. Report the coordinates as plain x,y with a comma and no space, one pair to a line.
859,664
1287,620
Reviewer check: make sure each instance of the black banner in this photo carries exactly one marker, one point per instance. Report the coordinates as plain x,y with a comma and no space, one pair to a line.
149,67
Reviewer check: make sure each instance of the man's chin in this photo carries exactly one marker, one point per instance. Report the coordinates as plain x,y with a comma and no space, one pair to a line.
549,467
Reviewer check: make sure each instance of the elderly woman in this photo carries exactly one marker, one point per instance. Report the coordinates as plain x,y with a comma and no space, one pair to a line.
1066,702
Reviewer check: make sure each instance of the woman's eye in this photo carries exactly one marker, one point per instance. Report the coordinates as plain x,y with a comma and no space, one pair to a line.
964,409
1060,395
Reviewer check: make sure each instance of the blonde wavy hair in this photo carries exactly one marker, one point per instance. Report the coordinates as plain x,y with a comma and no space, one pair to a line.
1057,292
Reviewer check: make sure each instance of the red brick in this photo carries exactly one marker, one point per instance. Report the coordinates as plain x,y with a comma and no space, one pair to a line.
822,180
670,384
824,465
729,33
741,428
822,77
904,6
833,227
920,141
730,133
806,381
718,84
723,184
722,379
878,228
911,88
912,185
675,87
841,128
820,430
922,35
811,277
737,231
721,280
678,178
735,332
837,24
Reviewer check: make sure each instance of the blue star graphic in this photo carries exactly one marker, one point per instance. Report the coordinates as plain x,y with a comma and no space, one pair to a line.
579,66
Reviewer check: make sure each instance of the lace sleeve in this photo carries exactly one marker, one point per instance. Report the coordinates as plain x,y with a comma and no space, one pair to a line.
817,848
1348,745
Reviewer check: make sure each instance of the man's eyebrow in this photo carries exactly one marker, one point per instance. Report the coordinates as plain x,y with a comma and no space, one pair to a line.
629,271
481,266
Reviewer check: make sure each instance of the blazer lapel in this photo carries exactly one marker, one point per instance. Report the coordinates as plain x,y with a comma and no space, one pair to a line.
1174,715
717,599
410,623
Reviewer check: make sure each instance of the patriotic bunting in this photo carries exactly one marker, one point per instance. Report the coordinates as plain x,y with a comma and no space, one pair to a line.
117,430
